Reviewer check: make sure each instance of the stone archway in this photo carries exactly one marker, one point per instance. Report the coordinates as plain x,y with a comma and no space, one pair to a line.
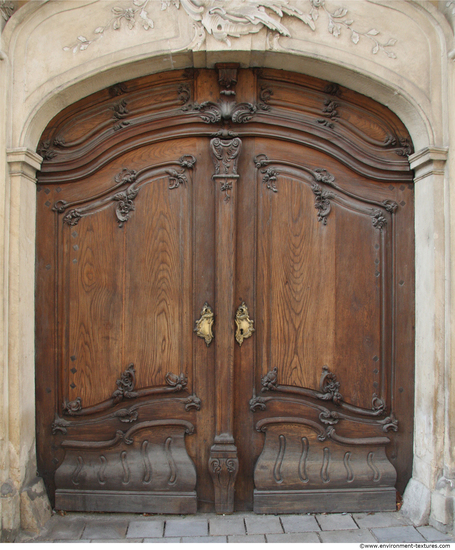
432,226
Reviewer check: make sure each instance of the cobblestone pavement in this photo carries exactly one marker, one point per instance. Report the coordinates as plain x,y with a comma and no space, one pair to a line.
238,527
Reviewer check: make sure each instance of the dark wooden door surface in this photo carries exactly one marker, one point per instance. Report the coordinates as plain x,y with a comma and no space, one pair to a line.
225,280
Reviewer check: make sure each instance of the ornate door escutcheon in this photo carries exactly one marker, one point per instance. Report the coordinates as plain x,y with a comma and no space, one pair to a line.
203,326
244,324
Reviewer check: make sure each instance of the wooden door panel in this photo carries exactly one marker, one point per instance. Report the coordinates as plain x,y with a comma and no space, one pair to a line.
92,285
158,302
320,286
287,196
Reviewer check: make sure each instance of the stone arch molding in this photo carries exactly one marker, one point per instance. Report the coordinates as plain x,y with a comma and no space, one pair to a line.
54,53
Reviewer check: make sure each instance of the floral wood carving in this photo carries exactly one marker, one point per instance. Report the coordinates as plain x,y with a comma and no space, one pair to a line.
269,381
124,199
329,110
258,403
329,386
225,153
126,390
322,202
45,148
120,113
178,177
269,179
125,385
125,204
59,425
72,407
192,402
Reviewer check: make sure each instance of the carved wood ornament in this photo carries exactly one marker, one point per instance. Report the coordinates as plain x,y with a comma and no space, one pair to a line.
298,209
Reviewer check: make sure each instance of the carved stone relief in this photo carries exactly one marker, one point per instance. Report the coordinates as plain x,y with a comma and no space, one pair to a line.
224,19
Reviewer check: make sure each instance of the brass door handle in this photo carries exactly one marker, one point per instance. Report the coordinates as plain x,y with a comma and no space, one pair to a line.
244,324
204,325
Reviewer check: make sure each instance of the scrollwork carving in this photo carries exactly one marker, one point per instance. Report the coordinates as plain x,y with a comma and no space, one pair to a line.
322,202
225,153
60,425
329,386
269,381
125,204
126,415
261,160
269,179
176,382
121,111
72,407
258,403
73,217
193,402
378,219
125,385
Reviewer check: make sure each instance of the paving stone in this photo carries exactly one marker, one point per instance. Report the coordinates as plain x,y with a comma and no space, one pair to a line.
397,534
380,519
186,528
357,535
294,537
210,540
433,535
299,524
62,528
145,529
171,540
227,526
105,529
246,538
333,522
259,525
65,541
115,540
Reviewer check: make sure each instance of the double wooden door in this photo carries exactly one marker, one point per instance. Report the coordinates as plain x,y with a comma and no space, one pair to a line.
224,297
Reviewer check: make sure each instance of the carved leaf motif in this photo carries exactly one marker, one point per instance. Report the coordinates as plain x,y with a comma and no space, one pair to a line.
125,385
258,403
269,381
72,407
322,202
269,179
176,178
177,382
73,217
378,220
193,402
329,386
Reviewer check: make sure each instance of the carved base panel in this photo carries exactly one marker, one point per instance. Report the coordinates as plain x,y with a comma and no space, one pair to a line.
146,469
224,466
305,467
156,502
325,501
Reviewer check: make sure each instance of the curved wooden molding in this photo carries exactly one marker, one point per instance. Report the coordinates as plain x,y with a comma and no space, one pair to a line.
126,390
329,391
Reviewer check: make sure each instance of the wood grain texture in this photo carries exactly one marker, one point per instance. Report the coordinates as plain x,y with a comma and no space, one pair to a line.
317,241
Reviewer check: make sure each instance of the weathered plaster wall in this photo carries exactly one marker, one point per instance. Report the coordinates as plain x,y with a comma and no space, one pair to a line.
56,52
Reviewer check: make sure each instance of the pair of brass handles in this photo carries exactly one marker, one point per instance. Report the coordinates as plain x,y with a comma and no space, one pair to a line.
244,324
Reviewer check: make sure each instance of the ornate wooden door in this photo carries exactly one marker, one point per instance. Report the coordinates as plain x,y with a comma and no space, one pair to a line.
225,297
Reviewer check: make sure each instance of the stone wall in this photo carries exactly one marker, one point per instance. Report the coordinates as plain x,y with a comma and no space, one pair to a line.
398,52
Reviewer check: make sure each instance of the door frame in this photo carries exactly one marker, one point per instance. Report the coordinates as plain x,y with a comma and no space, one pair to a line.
431,244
